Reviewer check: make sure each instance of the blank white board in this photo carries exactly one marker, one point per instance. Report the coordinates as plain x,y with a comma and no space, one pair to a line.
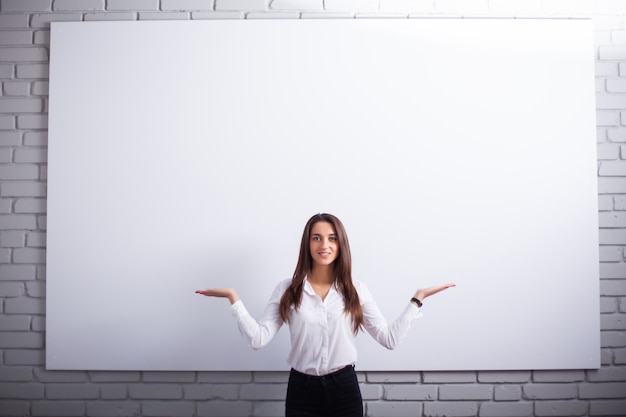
187,155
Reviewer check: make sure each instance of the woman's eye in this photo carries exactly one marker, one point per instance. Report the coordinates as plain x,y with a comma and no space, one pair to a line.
332,239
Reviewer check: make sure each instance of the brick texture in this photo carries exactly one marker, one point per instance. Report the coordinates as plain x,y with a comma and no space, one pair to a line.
27,388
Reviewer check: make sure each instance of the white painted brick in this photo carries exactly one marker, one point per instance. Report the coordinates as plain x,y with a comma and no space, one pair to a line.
42,37
29,256
36,289
40,88
21,54
611,185
42,222
13,239
393,409
607,408
163,16
371,392
612,169
6,122
560,408
5,255
44,20
58,408
23,340
11,289
612,237
506,392
449,377
45,376
6,155
613,270
351,5
168,409
606,69
509,409
113,408
224,408
17,222
75,5
36,71
504,377
217,15
408,392
25,305
462,6
109,16
300,5
225,377
16,373
620,356
22,189
611,254
240,5
168,377
326,15
608,305
16,88
186,5
269,409
156,391
612,53
16,37
620,202
211,392
30,155
14,323
272,15
114,376
36,139
32,121
10,138
9,21
602,390
607,118
36,240
616,86
72,391
20,105
617,135
607,374
6,70
451,408
611,101
16,407
134,5
19,172
612,321
26,5
408,6
550,391
607,151
25,357
113,392
263,391
6,206
12,272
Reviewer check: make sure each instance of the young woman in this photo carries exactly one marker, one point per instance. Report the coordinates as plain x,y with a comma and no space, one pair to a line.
325,309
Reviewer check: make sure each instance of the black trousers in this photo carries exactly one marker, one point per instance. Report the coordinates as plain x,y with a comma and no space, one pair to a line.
333,395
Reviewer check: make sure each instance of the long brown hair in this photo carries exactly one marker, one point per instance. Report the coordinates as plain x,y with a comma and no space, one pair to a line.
342,267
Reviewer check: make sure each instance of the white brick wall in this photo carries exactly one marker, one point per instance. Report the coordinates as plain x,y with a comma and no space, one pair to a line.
26,388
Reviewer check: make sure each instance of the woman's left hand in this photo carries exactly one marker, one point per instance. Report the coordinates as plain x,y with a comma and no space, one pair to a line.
423,293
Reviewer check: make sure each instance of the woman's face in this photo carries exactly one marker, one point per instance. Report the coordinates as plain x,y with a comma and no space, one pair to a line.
324,244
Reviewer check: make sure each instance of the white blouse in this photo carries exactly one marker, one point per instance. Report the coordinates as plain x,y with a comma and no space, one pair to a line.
322,340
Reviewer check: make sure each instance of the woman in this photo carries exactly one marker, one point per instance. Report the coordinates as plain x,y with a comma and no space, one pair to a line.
325,309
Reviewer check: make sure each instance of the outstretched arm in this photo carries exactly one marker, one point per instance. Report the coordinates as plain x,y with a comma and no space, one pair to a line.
423,293
229,293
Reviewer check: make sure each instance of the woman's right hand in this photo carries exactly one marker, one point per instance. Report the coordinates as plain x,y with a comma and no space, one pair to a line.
229,293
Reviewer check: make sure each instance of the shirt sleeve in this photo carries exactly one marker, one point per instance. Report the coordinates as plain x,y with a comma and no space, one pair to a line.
260,332
388,335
